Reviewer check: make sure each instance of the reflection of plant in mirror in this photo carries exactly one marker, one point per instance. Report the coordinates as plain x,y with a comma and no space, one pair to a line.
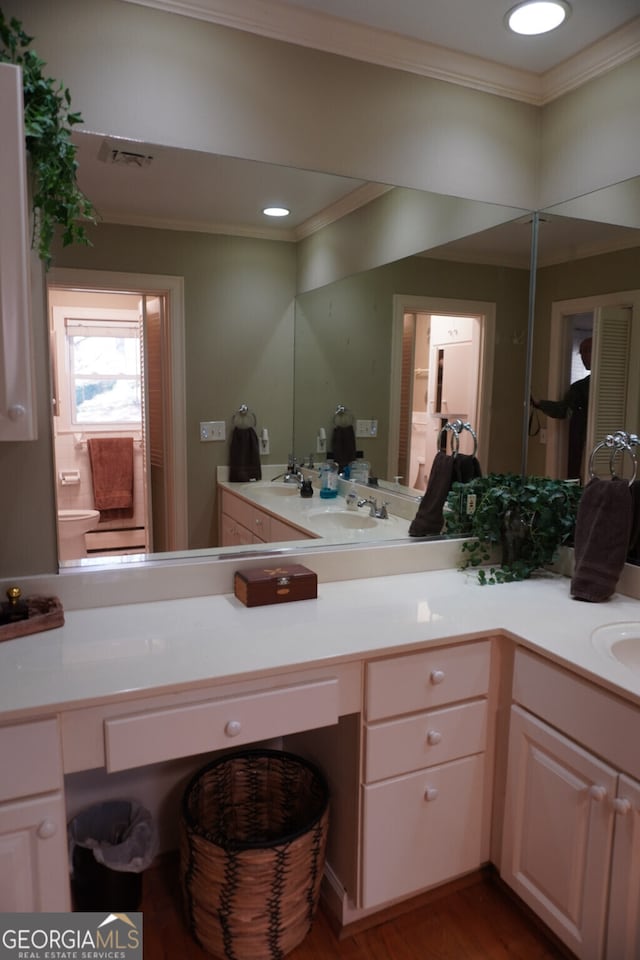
57,199
530,517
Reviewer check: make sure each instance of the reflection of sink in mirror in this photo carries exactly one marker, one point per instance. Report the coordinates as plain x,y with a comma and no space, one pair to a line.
345,519
621,641
278,490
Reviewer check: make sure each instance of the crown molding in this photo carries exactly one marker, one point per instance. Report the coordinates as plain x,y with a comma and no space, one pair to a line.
319,31
341,208
611,51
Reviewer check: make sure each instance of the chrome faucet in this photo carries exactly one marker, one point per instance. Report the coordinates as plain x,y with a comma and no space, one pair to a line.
293,474
379,512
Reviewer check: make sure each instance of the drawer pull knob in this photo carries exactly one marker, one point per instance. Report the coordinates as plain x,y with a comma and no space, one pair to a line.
597,793
437,676
233,728
431,793
47,829
622,806
433,737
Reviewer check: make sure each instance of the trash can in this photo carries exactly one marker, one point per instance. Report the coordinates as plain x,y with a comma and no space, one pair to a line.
253,837
110,844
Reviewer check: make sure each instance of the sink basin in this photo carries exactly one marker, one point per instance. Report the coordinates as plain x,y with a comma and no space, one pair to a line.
277,490
621,641
342,519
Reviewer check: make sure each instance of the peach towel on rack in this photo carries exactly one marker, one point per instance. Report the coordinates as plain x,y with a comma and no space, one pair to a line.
111,461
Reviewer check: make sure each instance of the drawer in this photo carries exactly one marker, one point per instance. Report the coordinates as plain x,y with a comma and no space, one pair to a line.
593,717
30,759
150,737
422,830
428,679
248,515
411,743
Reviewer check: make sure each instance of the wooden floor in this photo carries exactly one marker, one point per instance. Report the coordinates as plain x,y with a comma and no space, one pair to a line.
479,922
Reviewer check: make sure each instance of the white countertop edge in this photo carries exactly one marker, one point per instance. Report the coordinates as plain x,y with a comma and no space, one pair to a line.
142,650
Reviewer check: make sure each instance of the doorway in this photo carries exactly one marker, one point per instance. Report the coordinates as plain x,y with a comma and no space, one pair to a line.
440,373
613,321
117,354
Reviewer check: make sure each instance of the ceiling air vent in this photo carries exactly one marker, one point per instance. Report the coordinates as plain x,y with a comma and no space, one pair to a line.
112,153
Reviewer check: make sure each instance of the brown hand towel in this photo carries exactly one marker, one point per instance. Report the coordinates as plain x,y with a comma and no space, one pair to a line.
429,519
603,529
244,455
343,446
465,468
111,461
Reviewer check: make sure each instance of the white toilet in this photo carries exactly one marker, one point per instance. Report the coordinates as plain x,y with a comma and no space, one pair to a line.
72,526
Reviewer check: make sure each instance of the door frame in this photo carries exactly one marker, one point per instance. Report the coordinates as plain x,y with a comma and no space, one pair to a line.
173,288
444,306
558,347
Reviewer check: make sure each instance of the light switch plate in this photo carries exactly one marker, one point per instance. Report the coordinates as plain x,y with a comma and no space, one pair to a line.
212,430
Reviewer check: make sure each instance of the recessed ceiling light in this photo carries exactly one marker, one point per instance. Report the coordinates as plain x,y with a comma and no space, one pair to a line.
537,16
276,212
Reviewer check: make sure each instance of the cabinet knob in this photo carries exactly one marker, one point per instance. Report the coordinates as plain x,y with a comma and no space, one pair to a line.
431,793
597,793
47,829
233,728
437,676
622,806
16,411
433,737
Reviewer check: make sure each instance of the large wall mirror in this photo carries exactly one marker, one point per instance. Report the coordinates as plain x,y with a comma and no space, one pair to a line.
297,322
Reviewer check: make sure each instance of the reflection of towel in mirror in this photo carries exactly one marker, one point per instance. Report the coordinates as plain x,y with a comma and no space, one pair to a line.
634,539
429,520
465,468
111,460
603,529
343,446
244,456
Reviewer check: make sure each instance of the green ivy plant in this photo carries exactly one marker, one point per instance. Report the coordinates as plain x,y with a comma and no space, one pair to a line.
530,518
56,198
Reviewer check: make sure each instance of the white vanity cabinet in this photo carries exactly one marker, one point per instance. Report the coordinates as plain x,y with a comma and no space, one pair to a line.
33,833
571,838
425,795
242,522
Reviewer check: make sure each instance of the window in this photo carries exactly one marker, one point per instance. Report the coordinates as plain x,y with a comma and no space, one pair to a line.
104,372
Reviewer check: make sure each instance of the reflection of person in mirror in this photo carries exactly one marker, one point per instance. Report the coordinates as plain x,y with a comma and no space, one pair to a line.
575,405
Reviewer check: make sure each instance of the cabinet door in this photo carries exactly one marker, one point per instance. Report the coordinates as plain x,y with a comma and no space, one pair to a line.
34,874
422,829
623,938
558,831
17,382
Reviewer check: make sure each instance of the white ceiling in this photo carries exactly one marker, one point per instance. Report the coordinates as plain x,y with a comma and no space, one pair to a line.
194,191
475,27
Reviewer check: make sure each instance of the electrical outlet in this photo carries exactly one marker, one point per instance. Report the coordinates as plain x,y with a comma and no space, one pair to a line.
366,428
471,504
321,445
265,447
212,430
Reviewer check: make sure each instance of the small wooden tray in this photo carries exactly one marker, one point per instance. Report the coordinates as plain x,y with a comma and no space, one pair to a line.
45,613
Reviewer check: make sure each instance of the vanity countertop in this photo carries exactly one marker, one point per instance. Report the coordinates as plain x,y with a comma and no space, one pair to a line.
139,649
328,519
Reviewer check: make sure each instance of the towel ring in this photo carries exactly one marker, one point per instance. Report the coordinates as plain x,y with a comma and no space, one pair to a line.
455,428
243,417
618,443
343,416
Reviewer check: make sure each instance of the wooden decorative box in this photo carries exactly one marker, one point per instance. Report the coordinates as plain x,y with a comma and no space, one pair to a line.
274,584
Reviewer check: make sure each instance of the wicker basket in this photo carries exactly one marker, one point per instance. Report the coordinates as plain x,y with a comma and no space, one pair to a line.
254,830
